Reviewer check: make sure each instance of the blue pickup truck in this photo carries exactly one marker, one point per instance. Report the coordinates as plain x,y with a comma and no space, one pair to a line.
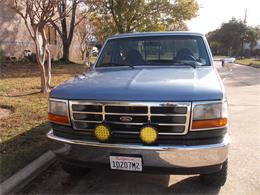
152,102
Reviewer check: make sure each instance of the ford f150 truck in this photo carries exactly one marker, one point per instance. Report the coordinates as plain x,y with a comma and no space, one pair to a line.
152,102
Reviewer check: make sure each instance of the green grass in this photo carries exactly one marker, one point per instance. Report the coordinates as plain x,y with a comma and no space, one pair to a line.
249,62
23,133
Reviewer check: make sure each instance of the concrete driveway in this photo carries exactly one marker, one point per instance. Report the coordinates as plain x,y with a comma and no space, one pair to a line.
243,90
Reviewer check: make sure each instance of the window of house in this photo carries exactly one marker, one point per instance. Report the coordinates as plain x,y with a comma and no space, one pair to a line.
51,35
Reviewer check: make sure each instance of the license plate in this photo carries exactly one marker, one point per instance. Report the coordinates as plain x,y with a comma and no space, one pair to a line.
126,163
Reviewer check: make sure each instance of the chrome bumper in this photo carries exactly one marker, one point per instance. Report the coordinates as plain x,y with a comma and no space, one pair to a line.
163,156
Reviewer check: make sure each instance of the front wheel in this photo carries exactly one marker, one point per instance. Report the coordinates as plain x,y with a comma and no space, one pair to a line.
216,179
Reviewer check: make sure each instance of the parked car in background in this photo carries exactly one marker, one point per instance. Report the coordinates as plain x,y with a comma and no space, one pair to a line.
152,102
227,62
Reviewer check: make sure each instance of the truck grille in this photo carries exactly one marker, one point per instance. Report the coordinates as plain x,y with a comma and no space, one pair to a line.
127,118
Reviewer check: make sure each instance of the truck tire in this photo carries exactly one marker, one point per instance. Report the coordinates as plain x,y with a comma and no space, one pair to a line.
74,170
217,178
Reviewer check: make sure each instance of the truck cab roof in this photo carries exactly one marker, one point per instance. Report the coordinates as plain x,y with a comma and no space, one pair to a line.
167,33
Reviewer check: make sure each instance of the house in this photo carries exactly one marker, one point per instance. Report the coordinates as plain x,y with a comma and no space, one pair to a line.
15,39
257,47
255,51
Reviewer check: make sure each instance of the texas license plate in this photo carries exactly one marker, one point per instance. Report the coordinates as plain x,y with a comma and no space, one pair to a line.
126,163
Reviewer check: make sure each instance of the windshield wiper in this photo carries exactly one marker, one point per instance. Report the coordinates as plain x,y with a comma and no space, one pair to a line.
116,64
193,65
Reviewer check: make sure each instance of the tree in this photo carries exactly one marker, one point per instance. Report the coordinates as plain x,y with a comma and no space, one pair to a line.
65,26
252,35
231,37
180,26
143,15
85,36
103,26
36,14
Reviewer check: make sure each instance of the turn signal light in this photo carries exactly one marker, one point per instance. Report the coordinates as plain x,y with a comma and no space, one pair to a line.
58,119
211,123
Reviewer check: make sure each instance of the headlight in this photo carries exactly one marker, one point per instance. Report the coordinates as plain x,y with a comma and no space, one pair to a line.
58,111
209,115
58,107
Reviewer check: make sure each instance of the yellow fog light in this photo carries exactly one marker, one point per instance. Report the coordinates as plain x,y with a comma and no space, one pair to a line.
102,133
148,135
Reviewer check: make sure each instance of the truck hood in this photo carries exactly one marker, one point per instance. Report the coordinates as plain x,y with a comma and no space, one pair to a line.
143,84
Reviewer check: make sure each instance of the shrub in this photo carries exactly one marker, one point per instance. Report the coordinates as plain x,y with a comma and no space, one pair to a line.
32,58
2,56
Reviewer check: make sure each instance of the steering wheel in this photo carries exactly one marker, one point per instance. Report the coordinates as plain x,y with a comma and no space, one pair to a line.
191,57
185,54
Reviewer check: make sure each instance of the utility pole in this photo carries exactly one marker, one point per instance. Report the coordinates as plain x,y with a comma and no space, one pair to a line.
245,21
245,18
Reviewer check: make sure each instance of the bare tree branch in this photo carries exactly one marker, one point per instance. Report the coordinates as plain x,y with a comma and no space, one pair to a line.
67,22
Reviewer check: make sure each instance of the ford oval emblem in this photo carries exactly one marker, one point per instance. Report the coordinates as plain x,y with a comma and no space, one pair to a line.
126,118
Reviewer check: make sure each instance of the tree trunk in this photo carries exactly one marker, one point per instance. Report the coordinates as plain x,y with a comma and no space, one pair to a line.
66,48
82,52
44,86
65,33
41,49
86,56
48,69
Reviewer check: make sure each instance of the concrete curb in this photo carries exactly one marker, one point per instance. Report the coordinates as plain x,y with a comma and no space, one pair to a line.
23,177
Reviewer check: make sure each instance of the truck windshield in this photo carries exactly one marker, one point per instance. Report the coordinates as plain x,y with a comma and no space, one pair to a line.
154,51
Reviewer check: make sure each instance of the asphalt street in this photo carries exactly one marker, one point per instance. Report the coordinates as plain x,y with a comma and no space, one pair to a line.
243,91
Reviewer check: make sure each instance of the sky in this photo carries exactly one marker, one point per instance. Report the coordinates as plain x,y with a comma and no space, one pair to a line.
213,13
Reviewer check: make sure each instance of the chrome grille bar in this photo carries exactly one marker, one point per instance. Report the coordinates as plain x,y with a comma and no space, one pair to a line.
132,105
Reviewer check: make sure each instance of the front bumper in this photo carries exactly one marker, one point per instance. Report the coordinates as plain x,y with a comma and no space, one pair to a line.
162,156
